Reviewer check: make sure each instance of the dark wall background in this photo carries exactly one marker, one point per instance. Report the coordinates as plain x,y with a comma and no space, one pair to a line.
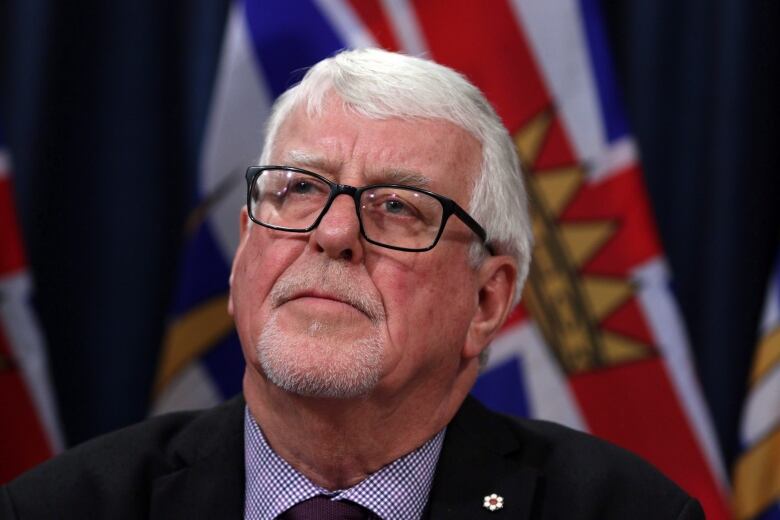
104,105
701,87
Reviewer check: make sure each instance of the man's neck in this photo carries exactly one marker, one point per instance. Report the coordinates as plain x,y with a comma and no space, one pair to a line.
337,443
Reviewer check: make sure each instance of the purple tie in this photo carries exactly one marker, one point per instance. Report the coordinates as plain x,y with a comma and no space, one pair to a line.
323,508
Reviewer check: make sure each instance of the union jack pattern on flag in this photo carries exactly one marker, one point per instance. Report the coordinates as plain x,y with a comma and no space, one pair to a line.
757,471
597,343
30,431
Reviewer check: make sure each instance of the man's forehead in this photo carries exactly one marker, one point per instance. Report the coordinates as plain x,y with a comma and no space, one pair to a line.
336,142
332,166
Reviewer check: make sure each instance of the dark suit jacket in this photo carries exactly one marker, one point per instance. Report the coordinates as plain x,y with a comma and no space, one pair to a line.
191,465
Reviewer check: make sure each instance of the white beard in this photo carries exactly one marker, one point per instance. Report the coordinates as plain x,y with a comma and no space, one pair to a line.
314,363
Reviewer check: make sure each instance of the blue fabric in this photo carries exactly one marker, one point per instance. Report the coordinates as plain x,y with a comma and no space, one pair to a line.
204,272
773,513
288,37
225,364
610,99
502,389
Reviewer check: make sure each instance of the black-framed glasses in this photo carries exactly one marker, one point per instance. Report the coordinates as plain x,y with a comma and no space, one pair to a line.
399,217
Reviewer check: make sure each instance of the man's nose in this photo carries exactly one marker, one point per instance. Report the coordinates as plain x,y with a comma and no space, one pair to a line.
338,233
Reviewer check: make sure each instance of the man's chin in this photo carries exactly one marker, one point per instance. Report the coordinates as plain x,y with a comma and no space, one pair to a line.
321,380
318,389
320,362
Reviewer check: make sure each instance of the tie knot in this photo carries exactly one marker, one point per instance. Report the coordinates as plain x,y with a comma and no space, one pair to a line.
323,508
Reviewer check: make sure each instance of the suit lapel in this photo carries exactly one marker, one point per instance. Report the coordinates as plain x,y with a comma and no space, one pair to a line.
482,455
208,481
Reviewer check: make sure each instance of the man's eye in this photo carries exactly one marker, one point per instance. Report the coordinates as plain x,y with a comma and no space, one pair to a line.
399,208
302,187
396,207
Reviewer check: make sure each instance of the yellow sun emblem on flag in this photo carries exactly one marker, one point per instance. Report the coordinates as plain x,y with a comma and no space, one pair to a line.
569,306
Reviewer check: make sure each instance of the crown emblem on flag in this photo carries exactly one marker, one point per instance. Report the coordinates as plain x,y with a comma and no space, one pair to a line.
571,305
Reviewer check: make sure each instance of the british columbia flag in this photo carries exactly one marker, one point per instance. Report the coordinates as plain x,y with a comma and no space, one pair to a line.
30,429
757,471
597,343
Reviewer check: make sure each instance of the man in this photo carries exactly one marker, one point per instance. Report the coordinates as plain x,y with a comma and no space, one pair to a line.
365,296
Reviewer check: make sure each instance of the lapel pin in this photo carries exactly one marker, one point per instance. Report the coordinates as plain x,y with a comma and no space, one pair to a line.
493,502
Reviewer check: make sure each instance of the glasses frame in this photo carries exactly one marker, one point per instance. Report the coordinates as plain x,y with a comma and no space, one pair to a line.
449,206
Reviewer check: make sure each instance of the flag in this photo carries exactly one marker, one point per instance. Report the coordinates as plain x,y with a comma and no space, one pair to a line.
30,431
598,343
757,470
265,43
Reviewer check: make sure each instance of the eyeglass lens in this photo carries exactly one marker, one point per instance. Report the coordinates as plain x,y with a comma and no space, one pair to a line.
393,216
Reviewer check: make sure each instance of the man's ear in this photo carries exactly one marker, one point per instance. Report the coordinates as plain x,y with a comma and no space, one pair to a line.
243,226
496,276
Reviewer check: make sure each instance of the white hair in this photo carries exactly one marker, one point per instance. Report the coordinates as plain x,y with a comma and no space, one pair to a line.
382,85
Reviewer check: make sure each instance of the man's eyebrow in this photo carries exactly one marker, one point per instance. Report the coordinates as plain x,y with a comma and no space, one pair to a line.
404,176
399,176
310,160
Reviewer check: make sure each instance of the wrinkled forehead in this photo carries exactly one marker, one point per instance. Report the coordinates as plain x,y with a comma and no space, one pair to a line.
327,100
412,151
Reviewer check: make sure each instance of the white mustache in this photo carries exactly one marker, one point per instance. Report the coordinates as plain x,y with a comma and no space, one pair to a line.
332,278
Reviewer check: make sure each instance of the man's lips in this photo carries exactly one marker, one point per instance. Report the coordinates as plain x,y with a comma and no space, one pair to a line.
327,290
320,296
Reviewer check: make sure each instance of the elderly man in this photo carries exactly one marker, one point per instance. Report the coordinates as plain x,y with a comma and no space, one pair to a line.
384,241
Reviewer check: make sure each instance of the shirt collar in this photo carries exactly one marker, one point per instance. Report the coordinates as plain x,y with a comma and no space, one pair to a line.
398,490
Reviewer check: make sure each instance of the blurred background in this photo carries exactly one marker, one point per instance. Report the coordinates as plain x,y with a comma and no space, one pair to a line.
104,108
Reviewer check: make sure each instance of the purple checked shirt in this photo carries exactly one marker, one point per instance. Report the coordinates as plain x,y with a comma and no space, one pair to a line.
398,491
